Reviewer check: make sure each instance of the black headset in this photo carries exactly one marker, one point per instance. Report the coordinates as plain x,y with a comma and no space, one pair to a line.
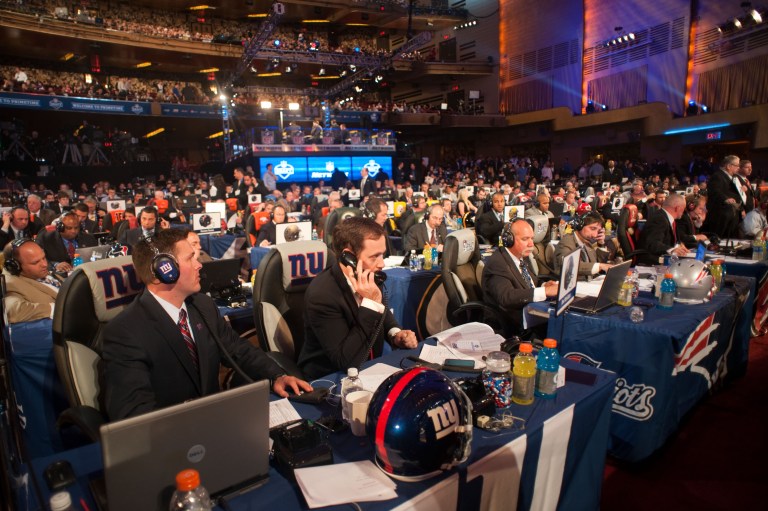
578,221
164,266
60,225
507,236
11,263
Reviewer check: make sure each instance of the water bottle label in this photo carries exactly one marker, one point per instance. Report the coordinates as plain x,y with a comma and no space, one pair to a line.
546,382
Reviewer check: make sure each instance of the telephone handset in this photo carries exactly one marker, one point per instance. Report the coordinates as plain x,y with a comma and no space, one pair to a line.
349,259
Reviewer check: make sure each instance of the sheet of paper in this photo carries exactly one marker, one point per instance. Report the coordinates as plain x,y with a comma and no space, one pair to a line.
591,288
281,412
393,261
468,330
373,376
438,354
330,485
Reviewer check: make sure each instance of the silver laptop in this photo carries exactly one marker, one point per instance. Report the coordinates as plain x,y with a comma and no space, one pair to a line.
224,436
97,252
609,291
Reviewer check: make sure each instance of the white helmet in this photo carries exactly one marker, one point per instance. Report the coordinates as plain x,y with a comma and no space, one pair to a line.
694,283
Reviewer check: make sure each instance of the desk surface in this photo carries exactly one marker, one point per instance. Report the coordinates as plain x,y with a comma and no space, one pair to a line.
557,461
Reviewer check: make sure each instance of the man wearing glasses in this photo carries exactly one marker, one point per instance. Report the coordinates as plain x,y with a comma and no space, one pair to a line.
724,200
430,232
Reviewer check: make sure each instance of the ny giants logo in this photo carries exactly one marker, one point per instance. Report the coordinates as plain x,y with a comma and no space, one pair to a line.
120,285
633,401
445,418
306,266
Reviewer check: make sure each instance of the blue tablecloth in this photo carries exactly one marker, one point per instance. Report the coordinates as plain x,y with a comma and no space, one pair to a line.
222,246
665,364
256,255
405,291
557,461
759,290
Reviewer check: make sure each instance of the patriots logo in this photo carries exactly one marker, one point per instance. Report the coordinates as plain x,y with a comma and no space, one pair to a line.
696,349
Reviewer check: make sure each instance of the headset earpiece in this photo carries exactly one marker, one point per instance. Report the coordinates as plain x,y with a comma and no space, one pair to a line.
11,263
507,236
164,266
577,222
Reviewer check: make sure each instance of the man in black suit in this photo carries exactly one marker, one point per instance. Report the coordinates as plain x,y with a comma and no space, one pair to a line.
430,232
148,227
239,189
344,306
86,224
61,244
162,350
489,224
659,236
367,185
507,284
268,231
16,225
724,203
745,187
611,174
689,225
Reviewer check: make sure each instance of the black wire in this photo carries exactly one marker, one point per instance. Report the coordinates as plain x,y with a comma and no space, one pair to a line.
377,330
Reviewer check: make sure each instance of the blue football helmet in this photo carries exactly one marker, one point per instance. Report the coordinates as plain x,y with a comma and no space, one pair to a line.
420,423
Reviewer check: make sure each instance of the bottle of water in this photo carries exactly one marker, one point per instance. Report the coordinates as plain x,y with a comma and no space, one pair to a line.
349,384
190,495
524,375
547,366
459,223
668,289
314,234
626,291
77,261
61,501
758,248
434,256
413,262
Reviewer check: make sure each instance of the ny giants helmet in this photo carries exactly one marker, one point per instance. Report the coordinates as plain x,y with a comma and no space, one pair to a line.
420,423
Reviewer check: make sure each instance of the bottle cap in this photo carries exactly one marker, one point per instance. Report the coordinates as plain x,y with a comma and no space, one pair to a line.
61,501
526,347
629,273
352,372
550,343
187,480
667,275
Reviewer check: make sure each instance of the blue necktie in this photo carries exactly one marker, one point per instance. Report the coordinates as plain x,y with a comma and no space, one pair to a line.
526,273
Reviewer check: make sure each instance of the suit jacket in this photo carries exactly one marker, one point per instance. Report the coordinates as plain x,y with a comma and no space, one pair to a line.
489,227
146,365
27,299
368,188
686,231
504,286
589,256
722,218
46,216
56,251
131,237
6,237
656,238
749,205
417,236
336,330
267,232
89,226
240,191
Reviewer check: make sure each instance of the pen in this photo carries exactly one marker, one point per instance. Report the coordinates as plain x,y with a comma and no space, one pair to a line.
84,505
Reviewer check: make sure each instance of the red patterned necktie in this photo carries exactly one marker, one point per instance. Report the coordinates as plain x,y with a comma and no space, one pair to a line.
674,231
185,333
71,249
433,240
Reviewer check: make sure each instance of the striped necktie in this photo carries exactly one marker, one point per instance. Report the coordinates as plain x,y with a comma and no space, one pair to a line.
526,273
185,333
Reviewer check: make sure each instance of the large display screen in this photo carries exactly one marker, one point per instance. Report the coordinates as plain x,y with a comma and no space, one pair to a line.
321,167
287,170
374,164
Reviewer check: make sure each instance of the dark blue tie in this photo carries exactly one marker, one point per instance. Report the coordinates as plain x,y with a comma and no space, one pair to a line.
526,273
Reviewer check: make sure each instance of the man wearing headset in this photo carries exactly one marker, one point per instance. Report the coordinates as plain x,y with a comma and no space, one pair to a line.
377,210
346,320
268,231
61,244
590,240
162,349
16,225
430,232
508,280
490,223
30,291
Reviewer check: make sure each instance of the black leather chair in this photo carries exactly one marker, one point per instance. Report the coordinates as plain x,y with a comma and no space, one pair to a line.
462,271
92,295
278,298
334,217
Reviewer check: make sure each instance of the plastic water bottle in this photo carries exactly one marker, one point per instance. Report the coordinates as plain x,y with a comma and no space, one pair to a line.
724,272
61,501
459,223
668,289
190,495
77,261
547,365
314,234
434,255
524,375
413,261
758,249
626,291
349,384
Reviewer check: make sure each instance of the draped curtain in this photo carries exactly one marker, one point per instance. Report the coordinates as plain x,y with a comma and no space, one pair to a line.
729,87
620,90
527,97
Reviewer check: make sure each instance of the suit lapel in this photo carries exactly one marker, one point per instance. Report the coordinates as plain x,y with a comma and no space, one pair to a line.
171,335
514,270
204,347
346,291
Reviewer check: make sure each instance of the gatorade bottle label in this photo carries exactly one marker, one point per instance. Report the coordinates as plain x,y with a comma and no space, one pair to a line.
522,389
546,382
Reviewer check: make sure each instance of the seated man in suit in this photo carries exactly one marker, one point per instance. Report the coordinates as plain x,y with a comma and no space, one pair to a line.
489,224
541,208
86,224
36,210
430,232
148,226
590,240
378,211
268,231
161,349
508,281
30,291
61,244
689,226
346,319
659,237
16,225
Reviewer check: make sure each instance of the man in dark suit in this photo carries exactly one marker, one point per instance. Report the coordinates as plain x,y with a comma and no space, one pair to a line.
16,225
344,306
723,200
507,284
86,224
268,231
489,224
148,227
689,225
61,244
590,240
611,174
239,189
430,232
367,185
162,350
745,187
659,236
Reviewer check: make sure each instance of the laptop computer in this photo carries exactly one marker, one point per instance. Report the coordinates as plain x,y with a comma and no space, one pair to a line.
97,252
219,274
609,291
224,436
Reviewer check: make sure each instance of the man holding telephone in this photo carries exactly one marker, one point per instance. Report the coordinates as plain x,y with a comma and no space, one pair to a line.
346,319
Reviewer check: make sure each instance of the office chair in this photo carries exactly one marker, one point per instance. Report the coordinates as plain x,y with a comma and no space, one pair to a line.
333,218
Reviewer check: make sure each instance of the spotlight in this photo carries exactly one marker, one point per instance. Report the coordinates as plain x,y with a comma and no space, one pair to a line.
288,69
692,109
352,68
603,107
321,72
756,16
737,23
590,107
266,105
704,109
276,42
223,97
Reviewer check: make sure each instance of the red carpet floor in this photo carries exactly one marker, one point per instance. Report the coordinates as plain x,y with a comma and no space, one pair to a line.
718,460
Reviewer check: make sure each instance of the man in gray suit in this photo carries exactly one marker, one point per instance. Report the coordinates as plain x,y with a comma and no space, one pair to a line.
431,232
590,240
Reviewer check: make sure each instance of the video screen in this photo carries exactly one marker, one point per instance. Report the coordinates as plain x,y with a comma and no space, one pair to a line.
287,170
321,167
374,164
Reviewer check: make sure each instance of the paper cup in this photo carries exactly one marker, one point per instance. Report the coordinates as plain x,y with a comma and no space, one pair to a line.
358,402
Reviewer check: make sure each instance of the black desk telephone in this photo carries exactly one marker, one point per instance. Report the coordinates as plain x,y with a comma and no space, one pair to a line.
349,259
